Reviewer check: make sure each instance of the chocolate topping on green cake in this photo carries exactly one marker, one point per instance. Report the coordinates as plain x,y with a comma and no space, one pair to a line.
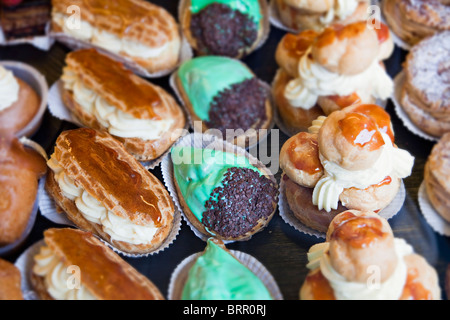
235,208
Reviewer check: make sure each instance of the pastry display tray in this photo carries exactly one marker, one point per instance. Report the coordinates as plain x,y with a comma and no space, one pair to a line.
279,247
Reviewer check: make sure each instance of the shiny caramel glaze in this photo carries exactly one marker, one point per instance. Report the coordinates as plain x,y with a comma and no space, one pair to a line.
414,289
358,232
320,287
14,153
127,11
139,96
103,272
297,44
116,176
345,101
363,124
340,32
308,159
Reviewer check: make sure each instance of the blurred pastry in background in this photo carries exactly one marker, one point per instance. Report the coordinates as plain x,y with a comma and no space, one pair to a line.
232,28
425,95
348,160
316,15
224,93
104,95
135,29
20,169
10,281
362,260
414,20
437,177
24,18
320,72
19,102
75,265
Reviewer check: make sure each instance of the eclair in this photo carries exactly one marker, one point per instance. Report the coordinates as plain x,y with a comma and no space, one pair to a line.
10,281
104,95
136,30
320,72
74,265
232,28
20,170
218,275
302,15
223,194
103,189
347,160
224,94
362,260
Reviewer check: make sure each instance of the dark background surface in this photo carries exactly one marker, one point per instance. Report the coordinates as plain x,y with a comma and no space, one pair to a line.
279,247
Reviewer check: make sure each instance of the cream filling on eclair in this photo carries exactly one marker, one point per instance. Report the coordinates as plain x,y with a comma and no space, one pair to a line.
9,89
58,279
106,40
393,162
373,289
117,122
315,81
118,228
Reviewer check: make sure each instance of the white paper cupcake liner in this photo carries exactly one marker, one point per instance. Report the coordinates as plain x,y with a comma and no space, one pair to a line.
191,121
25,264
199,140
396,99
433,218
42,42
288,215
59,110
49,210
180,275
38,83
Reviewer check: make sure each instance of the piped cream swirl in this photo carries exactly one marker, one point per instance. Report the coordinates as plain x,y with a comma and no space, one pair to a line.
57,277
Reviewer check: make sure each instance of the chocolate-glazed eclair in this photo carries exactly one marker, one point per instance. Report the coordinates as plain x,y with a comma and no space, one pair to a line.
75,265
104,95
223,93
105,190
222,193
232,28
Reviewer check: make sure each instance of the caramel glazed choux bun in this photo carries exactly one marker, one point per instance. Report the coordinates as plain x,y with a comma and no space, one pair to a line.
362,260
318,14
347,160
320,72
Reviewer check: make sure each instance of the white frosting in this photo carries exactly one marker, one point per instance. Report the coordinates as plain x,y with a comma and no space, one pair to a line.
392,161
57,277
341,10
117,122
118,228
106,40
314,81
9,88
390,289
